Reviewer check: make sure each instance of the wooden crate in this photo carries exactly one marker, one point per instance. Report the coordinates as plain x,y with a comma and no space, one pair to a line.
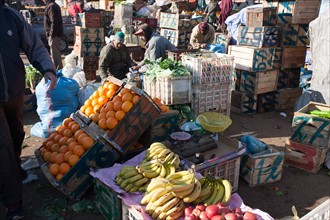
176,54
243,103
311,129
266,102
257,36
293,35
237,79
222,39
176,37
107,201
262,168
89,19
88,49
87,35
293,57
288,78
258,17
305,157
211,97
258,82
106,17
295,12
123,15
164,125
255,59
286,98
88,63
178,21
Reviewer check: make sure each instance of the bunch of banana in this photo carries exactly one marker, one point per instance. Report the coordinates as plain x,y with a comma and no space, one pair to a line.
130,180
214,190
161,203
154,168
184,185
159,151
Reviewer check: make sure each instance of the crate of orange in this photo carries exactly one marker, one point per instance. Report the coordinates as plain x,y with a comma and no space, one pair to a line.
123,117
69,153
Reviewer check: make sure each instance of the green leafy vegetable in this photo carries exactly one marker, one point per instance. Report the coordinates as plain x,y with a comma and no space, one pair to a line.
165,68
322,114
32,75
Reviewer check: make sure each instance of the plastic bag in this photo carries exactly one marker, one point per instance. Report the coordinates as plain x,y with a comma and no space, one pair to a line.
80,79
253,145
70,67
85,92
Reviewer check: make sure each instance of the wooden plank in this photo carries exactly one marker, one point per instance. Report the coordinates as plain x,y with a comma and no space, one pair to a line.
293,57
256,17
261,176
176,37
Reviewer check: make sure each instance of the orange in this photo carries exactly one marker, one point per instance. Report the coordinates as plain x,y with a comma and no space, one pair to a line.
47,156
103,123
72,145
111,123
58,128
95,117
51,137
53,156
113,86
95,94
127,97
110,93
70,140
81,137
79,150
165,108
117,105
102,115
64,168
77,133
89,111
57,138
102,91
83,108
63,140
116,98
64,149
43,150
67,133
67,156
110,114
75,127
61,130
120,115
109,106
124,91
106,84
126,106
55,148
88,102
54,169
135,99
66,122
59,176
49,145
156,100
73,159
102,100
97,108
87,142
59,158
95,102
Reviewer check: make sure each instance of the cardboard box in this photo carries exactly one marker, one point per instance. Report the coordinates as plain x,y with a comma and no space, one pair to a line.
293,35
83,35
288,78
293,57
258,36
305,157
89,20
266,102
258,82
176,37
258,17
295,12
243,103
286,98
255,59
262,168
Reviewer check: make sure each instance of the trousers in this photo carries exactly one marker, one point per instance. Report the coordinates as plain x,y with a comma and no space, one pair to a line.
55,51
11,139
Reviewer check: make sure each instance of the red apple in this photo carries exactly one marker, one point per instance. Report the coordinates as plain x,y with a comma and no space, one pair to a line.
196,212
224,210
239,216
230,216
212,210
238,210
200,207
191,217
220,205
188,210
203,216
249,216
218,217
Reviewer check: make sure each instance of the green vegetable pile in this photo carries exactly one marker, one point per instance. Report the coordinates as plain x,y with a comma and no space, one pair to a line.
322,114
32,76
166,68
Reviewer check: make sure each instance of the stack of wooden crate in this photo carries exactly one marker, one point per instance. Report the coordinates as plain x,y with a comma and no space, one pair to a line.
257,62
89,40
293,17
177,27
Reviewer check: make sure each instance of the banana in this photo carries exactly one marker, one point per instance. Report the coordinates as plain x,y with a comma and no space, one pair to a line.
227,188
128,187
134,189
146,198
213,195
184,193
195,193
176,161
206,190
143,188
163,199
126,169
220,193
150,174
167,168
130,174
175,210
123,184
156,152
155,144
172,168
184,179
119,181
148,165
178,175
179,187
163,153
156,212
142,181
135,178
158,182
162,216
175,216
148,207
169,157
163,171
157,193
170,204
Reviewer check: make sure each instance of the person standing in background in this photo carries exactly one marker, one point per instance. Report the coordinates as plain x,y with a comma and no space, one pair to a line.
53,25
211,12
225,7
74,7
16,35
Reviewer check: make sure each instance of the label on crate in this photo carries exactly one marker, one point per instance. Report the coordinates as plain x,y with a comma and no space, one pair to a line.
293,35
288,78
88,49
175,21
266,102
176,37
257,36
88,35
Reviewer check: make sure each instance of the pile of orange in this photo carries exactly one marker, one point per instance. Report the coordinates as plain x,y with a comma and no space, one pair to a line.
164,108
63,148
99,98
115,110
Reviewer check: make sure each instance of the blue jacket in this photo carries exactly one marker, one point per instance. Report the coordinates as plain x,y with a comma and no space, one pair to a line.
16,35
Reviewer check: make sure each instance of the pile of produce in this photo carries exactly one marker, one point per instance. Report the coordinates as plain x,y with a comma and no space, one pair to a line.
32,76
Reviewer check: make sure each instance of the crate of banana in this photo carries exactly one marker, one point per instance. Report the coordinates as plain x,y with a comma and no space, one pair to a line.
165,197
214,190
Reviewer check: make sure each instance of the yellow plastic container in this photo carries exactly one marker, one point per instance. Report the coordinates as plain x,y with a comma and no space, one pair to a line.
214,121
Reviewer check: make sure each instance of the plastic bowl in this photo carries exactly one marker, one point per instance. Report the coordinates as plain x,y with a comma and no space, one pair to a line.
214,122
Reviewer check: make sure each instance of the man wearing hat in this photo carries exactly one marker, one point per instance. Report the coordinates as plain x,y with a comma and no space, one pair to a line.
155,44
115,59
202,35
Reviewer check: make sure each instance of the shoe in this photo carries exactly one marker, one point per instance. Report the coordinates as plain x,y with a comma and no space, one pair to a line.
15,212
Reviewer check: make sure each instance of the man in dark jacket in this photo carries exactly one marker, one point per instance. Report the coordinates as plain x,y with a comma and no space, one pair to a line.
114,58
16,35
53,25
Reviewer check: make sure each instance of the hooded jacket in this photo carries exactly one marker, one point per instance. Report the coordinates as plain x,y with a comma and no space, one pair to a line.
53,23
16,35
